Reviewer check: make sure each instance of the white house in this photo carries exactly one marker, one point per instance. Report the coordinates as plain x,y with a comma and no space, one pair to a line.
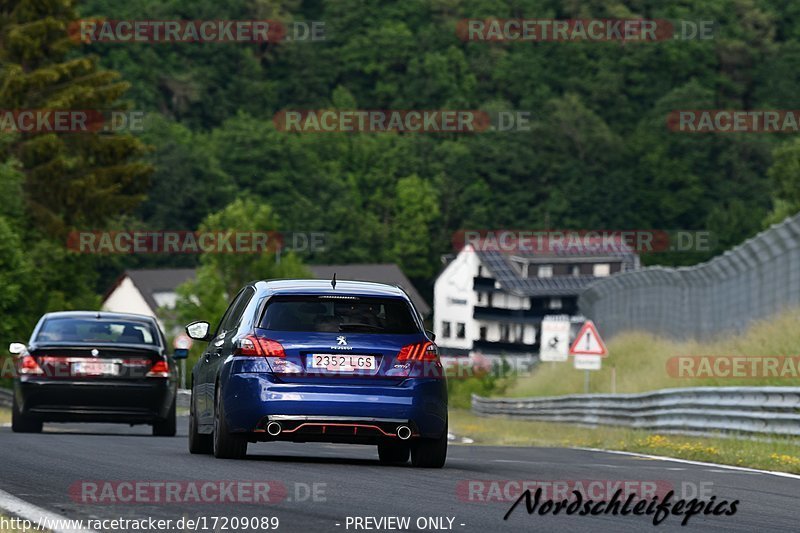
492,303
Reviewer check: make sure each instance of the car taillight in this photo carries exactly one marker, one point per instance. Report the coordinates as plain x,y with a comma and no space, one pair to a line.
421,351
159,370
28,366
259,346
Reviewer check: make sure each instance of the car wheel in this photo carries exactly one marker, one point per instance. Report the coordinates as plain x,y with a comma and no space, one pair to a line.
393,452
429,453
166,427
226,446
198,442
23,424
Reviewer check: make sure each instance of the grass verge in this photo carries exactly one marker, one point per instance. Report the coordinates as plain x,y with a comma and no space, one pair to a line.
779,455
640,361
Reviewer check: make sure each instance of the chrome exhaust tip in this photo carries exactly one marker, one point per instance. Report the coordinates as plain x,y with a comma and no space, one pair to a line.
274,429
403,432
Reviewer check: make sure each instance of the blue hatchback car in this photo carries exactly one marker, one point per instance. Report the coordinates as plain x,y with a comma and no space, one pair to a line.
325,361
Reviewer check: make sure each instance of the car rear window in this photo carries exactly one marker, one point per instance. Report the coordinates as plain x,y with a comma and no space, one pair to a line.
339,314
69,329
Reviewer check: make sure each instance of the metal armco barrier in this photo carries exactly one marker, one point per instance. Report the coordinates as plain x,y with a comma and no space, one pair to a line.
746,410
753,281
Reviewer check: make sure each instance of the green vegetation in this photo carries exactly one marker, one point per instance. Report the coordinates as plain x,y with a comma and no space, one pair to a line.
640,361
460,390
778,455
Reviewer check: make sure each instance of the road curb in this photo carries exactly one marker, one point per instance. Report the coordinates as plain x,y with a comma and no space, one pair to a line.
20,508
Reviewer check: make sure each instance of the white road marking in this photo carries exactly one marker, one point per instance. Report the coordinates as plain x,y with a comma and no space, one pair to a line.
698,463
22,509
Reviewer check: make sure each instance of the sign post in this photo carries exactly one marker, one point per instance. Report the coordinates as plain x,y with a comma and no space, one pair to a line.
588,350
554,339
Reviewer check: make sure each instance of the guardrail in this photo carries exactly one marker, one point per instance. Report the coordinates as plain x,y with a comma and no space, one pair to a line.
746,410
5,397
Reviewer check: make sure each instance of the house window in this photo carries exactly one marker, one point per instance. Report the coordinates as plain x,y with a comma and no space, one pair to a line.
482,333
554,303
575,270
480,297
545,271
461,330
446,329
504,332
601,269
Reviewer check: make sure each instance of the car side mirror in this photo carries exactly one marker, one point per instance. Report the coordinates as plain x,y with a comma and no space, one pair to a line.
198,330
17,348
431,335
180,353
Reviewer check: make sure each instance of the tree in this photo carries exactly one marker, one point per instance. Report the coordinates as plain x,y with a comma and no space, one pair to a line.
785,176
221,275
416,213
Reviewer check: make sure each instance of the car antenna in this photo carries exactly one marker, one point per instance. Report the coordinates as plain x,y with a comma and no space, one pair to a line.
333,281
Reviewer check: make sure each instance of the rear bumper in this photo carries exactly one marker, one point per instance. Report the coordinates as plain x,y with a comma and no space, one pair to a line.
140,401
349,413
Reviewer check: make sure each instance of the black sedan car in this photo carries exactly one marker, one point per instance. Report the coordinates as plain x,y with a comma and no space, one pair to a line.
84,366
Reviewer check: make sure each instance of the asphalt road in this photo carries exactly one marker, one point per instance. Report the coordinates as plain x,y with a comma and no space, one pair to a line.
45,469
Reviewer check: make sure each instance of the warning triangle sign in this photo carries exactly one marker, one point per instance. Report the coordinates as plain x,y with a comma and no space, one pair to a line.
588,341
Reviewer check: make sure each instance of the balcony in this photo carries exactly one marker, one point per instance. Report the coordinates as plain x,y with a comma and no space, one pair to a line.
482,284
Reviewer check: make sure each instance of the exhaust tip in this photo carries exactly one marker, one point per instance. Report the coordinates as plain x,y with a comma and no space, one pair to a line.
403,432
274,429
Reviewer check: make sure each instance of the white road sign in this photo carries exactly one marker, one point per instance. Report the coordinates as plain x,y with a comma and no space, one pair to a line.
588,342
588,362
554,339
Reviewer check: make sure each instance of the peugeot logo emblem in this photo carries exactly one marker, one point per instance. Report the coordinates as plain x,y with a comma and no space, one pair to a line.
341,340
95,352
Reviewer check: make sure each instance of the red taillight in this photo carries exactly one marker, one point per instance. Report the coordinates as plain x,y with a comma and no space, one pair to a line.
28,365
159,370
421,351
258,346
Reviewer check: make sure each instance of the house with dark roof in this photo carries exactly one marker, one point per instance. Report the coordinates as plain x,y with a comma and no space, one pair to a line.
491,301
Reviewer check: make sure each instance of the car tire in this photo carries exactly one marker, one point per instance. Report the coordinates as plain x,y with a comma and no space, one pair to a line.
429,453
199,443
23,424
168,426
393,452
226,445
